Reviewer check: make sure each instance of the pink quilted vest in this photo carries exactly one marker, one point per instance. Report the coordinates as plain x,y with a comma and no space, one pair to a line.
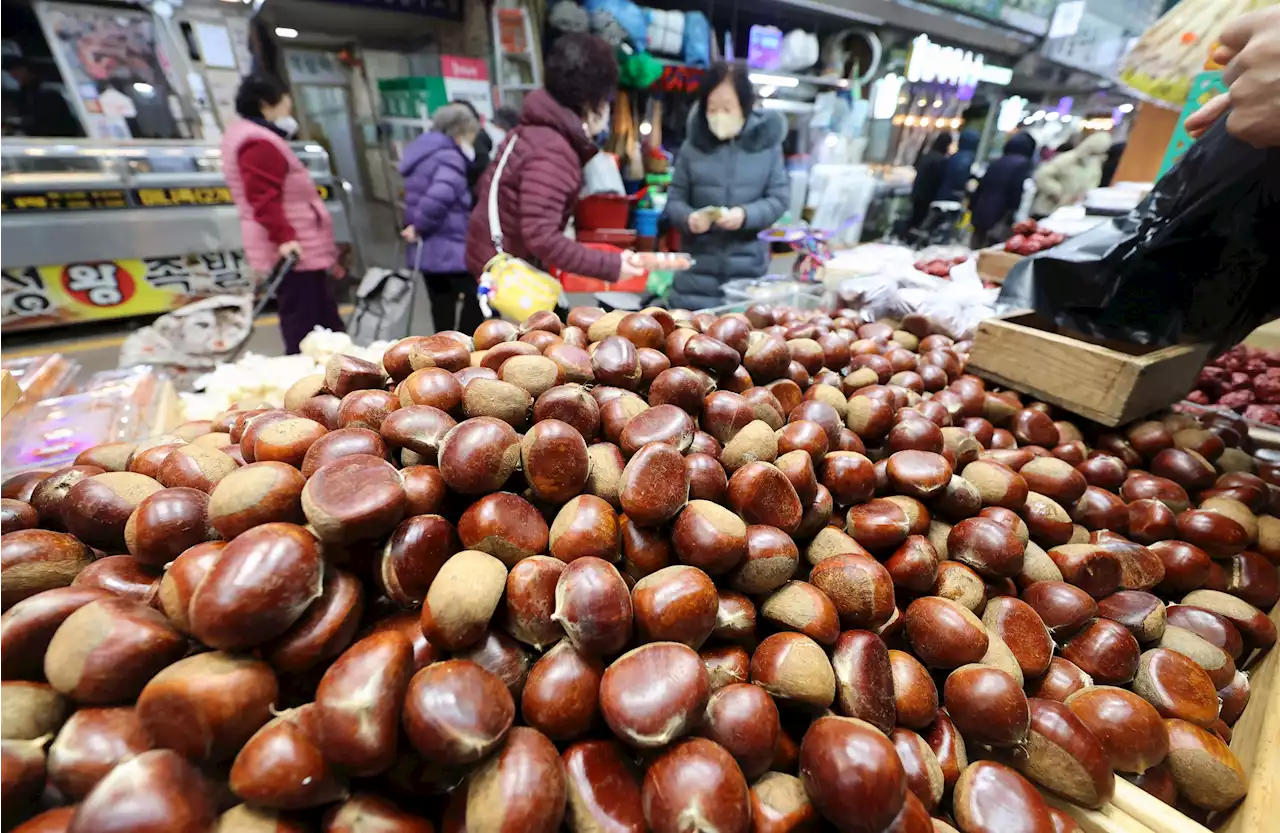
303,207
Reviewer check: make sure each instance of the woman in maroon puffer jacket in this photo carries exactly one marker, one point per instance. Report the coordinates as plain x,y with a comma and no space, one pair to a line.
540,185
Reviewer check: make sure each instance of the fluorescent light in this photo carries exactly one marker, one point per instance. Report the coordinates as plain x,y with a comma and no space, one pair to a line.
645,128
286,32
767,91
144,88
1067,117
1052,115
775,80
994,74
922,102
1125,108
832,140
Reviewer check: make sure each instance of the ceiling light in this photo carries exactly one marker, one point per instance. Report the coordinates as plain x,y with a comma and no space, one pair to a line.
286,32
1125,108
775,80
144,88
937,102
767,91
645,128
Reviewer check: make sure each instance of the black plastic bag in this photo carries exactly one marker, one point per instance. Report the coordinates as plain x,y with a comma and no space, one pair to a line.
1197,260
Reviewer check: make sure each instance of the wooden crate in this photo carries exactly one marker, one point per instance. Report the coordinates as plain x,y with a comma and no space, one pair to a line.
1107,382
994,263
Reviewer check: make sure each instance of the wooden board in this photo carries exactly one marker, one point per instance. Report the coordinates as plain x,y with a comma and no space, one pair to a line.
10,393
1256,741
1268,336
994,263
1110,383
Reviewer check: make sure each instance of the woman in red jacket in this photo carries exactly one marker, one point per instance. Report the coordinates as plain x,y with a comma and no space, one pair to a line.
280,211
540,184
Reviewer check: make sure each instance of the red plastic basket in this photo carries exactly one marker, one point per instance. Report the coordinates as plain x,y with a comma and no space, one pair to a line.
603,211
578,283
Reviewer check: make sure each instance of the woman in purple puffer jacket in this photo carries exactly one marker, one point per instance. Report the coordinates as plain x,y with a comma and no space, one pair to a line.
437,206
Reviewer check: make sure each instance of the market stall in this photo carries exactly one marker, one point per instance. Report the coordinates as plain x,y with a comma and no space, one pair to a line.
775,569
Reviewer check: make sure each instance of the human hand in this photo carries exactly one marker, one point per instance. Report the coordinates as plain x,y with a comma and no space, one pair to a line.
410,234
699,222
293,247
1250,48
630,267
732,219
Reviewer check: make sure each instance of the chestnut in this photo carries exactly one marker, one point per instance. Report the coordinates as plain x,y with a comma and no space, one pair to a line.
987,706
155,792
696,779
341,443
654,485
884,523
35,560
801,607
707,478
1128,727
324,630
90,745
990,548
123,576
530,601
1106,651
999,485
586,526
989,797
944,634
107,650
794,668
478,455
22,486
864,679
208,705
27,627
456,713
1215,661
917,474
779,804
504,525
462,599
960,584
914,565
852,774
653,694
915,695
47,495
1141,612
166,523
593,606
603,788
675,604
281,767
743,719
253,495
1251,622
259,585
562,694
1020,627
97,509
1205,770
1177,687
859,586
1207,625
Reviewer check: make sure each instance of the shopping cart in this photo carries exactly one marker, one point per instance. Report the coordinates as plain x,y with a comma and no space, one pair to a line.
269,288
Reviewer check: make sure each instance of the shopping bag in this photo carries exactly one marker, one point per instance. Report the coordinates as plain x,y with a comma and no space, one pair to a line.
1196,261
384,302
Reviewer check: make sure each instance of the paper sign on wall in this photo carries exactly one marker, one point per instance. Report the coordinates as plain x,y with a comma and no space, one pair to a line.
467,79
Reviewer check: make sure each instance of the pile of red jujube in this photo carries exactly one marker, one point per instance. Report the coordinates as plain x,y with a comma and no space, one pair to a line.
778,571
1028,238
1245,379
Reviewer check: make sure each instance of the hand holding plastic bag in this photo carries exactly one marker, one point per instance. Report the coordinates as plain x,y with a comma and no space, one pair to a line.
1197,260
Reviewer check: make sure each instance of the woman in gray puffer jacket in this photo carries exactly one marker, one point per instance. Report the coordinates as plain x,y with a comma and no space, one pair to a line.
729,184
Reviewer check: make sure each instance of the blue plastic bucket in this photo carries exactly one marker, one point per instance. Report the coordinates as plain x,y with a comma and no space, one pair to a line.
646,221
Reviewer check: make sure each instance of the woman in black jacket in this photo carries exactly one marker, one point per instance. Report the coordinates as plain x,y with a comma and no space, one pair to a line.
1000,190
930,169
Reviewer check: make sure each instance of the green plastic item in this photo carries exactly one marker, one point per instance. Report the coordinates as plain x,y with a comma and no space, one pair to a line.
639,70
1204,86
657,179
659,282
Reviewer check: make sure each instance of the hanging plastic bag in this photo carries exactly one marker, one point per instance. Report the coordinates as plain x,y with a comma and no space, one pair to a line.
1197,260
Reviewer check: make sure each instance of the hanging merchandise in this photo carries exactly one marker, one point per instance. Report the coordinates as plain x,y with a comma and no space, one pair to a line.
666,31
764,48
697,40
799,51
619,22
568,16
849,50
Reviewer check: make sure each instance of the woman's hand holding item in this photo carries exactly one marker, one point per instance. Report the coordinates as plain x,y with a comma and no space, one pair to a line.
292,247
410,234
732,219
1250,49
700,222
631,266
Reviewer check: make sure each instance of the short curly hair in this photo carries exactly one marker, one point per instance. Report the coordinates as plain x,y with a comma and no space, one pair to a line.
581,71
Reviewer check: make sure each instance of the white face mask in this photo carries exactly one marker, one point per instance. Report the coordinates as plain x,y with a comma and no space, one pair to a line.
468,150
598,122
288,124
724,126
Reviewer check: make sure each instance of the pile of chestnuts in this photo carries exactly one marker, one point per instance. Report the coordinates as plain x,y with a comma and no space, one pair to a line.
776,571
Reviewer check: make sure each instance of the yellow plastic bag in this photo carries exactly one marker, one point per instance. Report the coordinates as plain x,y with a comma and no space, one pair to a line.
518,289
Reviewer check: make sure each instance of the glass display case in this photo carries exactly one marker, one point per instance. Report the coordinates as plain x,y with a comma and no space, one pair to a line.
99,229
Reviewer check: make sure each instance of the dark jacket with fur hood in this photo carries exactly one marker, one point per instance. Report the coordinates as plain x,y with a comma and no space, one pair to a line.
746,171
